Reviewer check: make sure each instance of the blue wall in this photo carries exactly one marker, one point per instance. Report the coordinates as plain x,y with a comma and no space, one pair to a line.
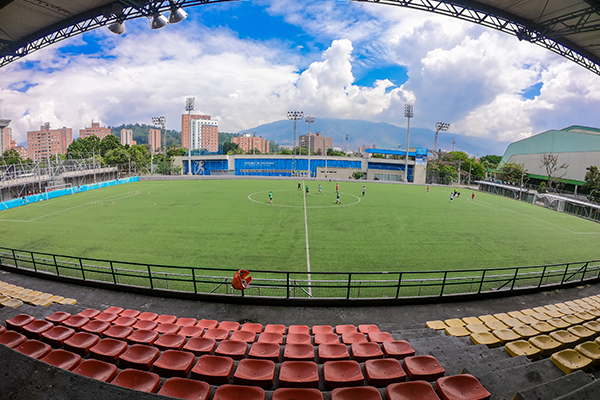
205,167
284,166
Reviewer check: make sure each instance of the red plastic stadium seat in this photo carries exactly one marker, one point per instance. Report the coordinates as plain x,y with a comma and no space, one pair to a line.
368,328
118,332
124,321
383,372
147,316
185,389
108,349
166,319
174,363
244,336
34,329
232,348
130,313
12,339
326,338
229,325
254,372
353,337
398,349
298,338
236,392
356,393
464,386
96,327
299,329
362,352
265,351
97,369
200,345
341,329
167,328
138,380
81,343
275,328
297,394
299,374
417,390
139,356
207,324
183,322
321,329
76,322
143,336
215,370
89,313
2,329
425,368
17,322
62,359
332,352
271,337
380,337
342,373
191,331
145,325
106,316
57,317
33,348
56,336
299,352
216,333
114,310
252,327
170,341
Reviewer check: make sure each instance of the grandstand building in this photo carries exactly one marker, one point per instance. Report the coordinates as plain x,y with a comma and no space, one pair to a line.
204,132
96,130
46,142
247,142
577,146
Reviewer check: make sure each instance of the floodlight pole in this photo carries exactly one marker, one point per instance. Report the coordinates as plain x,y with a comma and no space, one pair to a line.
295,116
309,120
161,122
189,107
440,126
408,113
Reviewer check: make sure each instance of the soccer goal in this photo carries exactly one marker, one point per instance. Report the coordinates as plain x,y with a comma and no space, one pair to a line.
58,190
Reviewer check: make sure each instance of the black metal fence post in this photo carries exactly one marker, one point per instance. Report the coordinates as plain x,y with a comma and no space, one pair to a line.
56,265
349,286
81,269
194,279
33,262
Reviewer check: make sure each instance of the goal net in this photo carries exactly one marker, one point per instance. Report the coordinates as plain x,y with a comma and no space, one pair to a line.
58,190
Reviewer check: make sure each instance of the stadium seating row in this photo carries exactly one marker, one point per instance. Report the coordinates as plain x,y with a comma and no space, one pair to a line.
15,296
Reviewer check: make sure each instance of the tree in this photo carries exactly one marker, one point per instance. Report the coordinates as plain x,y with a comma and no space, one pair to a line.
116,156
11,157
286,152
511,173
358,175
231,148
490,161
84,147
550,163
174,151
110,142
592,182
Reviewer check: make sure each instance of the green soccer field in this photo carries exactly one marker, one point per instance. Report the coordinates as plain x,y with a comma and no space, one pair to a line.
230,224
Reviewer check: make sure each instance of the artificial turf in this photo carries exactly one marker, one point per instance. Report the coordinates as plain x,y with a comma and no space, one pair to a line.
230,224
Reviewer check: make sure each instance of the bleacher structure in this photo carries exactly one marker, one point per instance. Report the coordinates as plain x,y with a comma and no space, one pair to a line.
14,296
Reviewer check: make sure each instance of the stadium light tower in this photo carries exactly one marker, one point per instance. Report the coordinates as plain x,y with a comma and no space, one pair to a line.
408,113
309,120
294,116
189,107
440,126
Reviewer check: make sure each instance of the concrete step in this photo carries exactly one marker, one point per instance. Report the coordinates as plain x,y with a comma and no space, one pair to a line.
557,387
591,391
493,366
505,383
455,360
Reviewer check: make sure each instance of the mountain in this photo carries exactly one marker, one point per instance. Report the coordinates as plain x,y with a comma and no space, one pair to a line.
381,134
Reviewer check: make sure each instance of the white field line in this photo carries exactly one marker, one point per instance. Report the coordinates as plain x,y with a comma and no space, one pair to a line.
484,204
307,249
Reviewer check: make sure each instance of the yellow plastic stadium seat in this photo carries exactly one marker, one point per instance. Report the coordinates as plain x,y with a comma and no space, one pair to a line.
471,320
583,304
527,319
487,318
41,302
22,294
594,311
486,338
512,322
570,361
477,328
526,331
527,311
3,298
523,348
45,296
571,319
576,308
591,350
30,299
506,335
515,314
542,316
68,300
593,326
546,344
493,325
502,316
13,303
35,293
559,323
437,325
56,299
454,322
585,316
539,309
584,333
457,331
565,337
11,293
554,313
543,327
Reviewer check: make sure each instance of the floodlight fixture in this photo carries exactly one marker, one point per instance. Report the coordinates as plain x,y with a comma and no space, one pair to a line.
408,111
158,21
118,27
294,116
440,126
177,14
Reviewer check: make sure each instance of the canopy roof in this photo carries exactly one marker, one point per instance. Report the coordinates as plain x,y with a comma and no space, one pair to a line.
570,28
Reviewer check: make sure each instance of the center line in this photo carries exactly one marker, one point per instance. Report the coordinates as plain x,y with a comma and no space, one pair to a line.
306,230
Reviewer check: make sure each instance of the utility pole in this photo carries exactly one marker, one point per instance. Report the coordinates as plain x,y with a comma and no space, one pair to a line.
408,113
189,107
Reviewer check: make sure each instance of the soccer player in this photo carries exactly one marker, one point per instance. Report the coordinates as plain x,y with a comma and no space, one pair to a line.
338,201
320,189
271,196
299,186
337,187
473,196
427,188
364,189
307,190
451,197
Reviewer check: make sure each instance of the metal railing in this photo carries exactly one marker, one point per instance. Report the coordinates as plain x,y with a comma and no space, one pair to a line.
292,284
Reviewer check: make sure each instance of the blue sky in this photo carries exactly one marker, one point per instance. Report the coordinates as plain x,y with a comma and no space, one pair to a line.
248,63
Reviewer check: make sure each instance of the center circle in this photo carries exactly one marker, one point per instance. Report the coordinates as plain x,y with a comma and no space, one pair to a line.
265,194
